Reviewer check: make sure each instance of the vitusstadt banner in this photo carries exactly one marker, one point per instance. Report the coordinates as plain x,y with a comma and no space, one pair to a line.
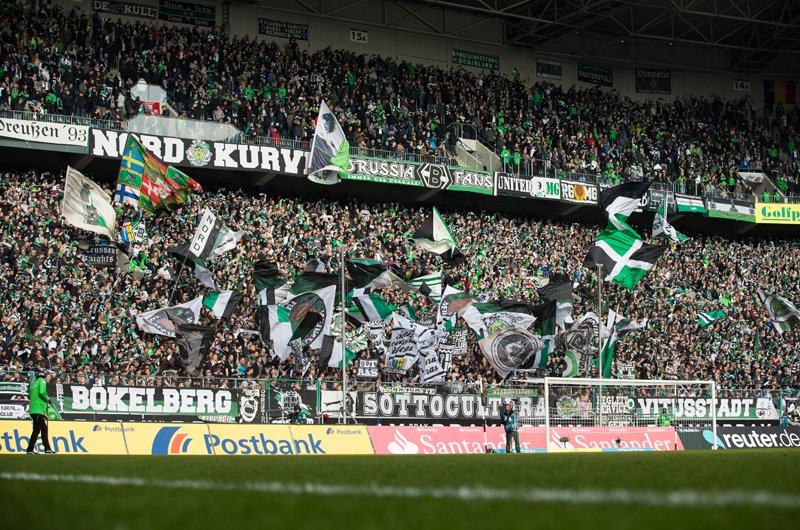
187,13
426,174
653,81
580,192
44,132
508,185
127,9
201,154
597,75
777,213
281,29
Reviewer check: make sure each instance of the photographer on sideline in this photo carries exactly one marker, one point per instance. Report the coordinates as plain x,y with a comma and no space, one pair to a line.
38,411
509,419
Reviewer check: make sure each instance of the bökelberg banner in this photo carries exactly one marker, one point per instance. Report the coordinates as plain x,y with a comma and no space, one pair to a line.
158,404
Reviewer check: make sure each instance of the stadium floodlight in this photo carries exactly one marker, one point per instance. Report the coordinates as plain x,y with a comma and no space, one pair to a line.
585,406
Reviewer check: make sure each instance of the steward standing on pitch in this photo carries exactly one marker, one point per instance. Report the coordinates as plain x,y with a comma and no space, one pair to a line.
38,411
509,420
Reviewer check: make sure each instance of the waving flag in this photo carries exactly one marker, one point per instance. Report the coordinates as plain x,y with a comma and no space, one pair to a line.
434,236
330,150
662,228
86,205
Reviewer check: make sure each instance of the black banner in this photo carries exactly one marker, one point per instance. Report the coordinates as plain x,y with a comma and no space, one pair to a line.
101,256
199,153
653,81
511,185
761,437
127,9
158,404
281,29
283,397
187,13
437,406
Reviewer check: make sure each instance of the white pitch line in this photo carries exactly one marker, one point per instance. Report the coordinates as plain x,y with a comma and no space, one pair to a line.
669,498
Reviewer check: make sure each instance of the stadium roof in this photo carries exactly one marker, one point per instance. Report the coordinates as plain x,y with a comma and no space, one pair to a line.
749,36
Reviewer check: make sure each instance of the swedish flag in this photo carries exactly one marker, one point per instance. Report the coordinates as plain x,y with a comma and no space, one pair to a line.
132,158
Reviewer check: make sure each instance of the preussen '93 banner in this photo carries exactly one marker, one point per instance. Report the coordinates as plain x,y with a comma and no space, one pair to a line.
44,132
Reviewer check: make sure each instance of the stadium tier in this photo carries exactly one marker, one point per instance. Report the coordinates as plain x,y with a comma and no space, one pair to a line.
102,306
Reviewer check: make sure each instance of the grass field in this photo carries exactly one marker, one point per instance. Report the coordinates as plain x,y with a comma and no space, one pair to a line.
757,489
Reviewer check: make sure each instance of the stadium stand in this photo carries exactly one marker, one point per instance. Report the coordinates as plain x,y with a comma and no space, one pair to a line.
66,63
59,313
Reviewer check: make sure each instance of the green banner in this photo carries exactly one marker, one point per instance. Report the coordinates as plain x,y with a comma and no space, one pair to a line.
598,75
386,171
476,60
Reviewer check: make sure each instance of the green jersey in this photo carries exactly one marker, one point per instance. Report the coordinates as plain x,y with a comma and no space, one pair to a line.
509,420
38,395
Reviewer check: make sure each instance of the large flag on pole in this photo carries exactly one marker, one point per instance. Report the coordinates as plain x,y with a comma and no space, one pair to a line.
195,342
222,304
429,285
624,257
330,150
163,321
212,238
511,348
271,287
783,314
618,330
619,202
487,319
86,205
662,228
561,293
434,236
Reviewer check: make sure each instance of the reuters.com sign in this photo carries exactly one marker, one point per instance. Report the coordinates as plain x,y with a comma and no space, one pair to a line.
777,213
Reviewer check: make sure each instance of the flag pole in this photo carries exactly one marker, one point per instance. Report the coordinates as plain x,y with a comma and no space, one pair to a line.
344,350
600,337
599,321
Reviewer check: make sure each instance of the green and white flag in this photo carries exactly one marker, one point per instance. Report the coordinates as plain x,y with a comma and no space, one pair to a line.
662,228
434,236
624,256
619,330
330,151
87,206
222,304
429,285
705,319
371,305
783,314
488,319
305,317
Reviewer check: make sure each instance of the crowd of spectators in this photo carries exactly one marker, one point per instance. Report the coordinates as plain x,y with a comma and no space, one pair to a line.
84,64
58,313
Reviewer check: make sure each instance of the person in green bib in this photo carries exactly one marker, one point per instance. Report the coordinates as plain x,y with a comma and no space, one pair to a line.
509,419
664,419
38,411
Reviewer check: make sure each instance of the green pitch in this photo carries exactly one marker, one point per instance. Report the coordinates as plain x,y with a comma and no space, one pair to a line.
726,489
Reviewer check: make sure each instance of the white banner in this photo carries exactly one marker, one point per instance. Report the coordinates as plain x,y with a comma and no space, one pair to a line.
44,132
